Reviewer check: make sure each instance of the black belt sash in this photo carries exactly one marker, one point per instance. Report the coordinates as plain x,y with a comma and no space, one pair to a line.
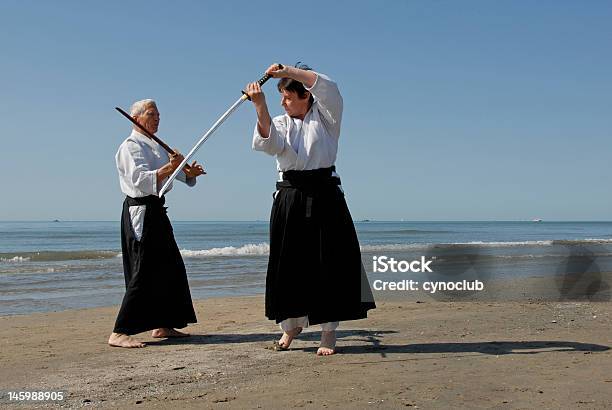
153,200
311,181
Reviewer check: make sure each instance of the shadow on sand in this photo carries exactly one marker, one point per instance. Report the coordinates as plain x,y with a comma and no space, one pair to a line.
367,336
371,343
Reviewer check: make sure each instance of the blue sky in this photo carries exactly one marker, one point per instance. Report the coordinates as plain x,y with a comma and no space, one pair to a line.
471,110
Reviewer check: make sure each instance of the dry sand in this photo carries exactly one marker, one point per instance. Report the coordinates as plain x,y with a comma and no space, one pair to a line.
407,354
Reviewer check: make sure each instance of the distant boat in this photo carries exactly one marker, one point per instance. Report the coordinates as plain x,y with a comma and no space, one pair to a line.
365,220
536,220
56,220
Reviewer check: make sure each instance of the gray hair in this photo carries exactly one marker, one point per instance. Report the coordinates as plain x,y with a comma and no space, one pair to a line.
139,107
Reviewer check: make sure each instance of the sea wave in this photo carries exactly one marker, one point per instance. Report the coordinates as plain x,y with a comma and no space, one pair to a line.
263,249
245,250
395,247
587,241
475,244
15,259
405,231
52,256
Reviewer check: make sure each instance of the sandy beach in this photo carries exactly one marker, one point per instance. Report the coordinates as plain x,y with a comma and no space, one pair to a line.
425,354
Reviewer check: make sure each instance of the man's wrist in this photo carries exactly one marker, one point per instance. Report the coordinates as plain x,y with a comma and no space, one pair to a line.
262,112
166,170
260,103
291,71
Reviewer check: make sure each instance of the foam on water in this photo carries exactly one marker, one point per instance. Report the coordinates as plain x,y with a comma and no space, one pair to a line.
15,259
50,256
246,250
479,244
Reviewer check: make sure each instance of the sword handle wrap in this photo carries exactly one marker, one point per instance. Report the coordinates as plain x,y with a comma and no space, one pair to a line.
262,81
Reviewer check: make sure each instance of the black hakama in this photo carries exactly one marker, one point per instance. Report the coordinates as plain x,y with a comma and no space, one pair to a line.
315,267
157,293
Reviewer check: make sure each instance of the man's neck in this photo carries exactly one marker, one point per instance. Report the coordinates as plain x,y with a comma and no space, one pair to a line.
140,131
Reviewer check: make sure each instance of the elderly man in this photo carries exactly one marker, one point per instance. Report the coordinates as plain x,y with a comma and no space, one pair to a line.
157,294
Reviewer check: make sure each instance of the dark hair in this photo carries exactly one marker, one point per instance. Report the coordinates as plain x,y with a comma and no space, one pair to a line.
289,84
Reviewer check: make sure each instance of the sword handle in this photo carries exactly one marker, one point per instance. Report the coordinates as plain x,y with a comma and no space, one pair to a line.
261,82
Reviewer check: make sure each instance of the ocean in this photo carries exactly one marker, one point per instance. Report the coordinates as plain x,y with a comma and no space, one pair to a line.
52,266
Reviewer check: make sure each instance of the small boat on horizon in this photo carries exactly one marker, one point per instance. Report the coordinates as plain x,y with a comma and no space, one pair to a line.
536,220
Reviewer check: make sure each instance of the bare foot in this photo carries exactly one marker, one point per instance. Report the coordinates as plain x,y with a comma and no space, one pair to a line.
168,332
123,340
288,337
328,344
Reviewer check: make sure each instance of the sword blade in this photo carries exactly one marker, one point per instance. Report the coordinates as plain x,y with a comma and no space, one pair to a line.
202,141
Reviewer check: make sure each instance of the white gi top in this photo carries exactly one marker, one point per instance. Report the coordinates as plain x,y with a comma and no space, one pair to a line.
138,159
309,144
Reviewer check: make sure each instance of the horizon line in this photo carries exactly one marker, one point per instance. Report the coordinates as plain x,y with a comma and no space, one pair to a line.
354,220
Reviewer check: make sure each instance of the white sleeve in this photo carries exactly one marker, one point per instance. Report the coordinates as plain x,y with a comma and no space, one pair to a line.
275,143
328,101
133,167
